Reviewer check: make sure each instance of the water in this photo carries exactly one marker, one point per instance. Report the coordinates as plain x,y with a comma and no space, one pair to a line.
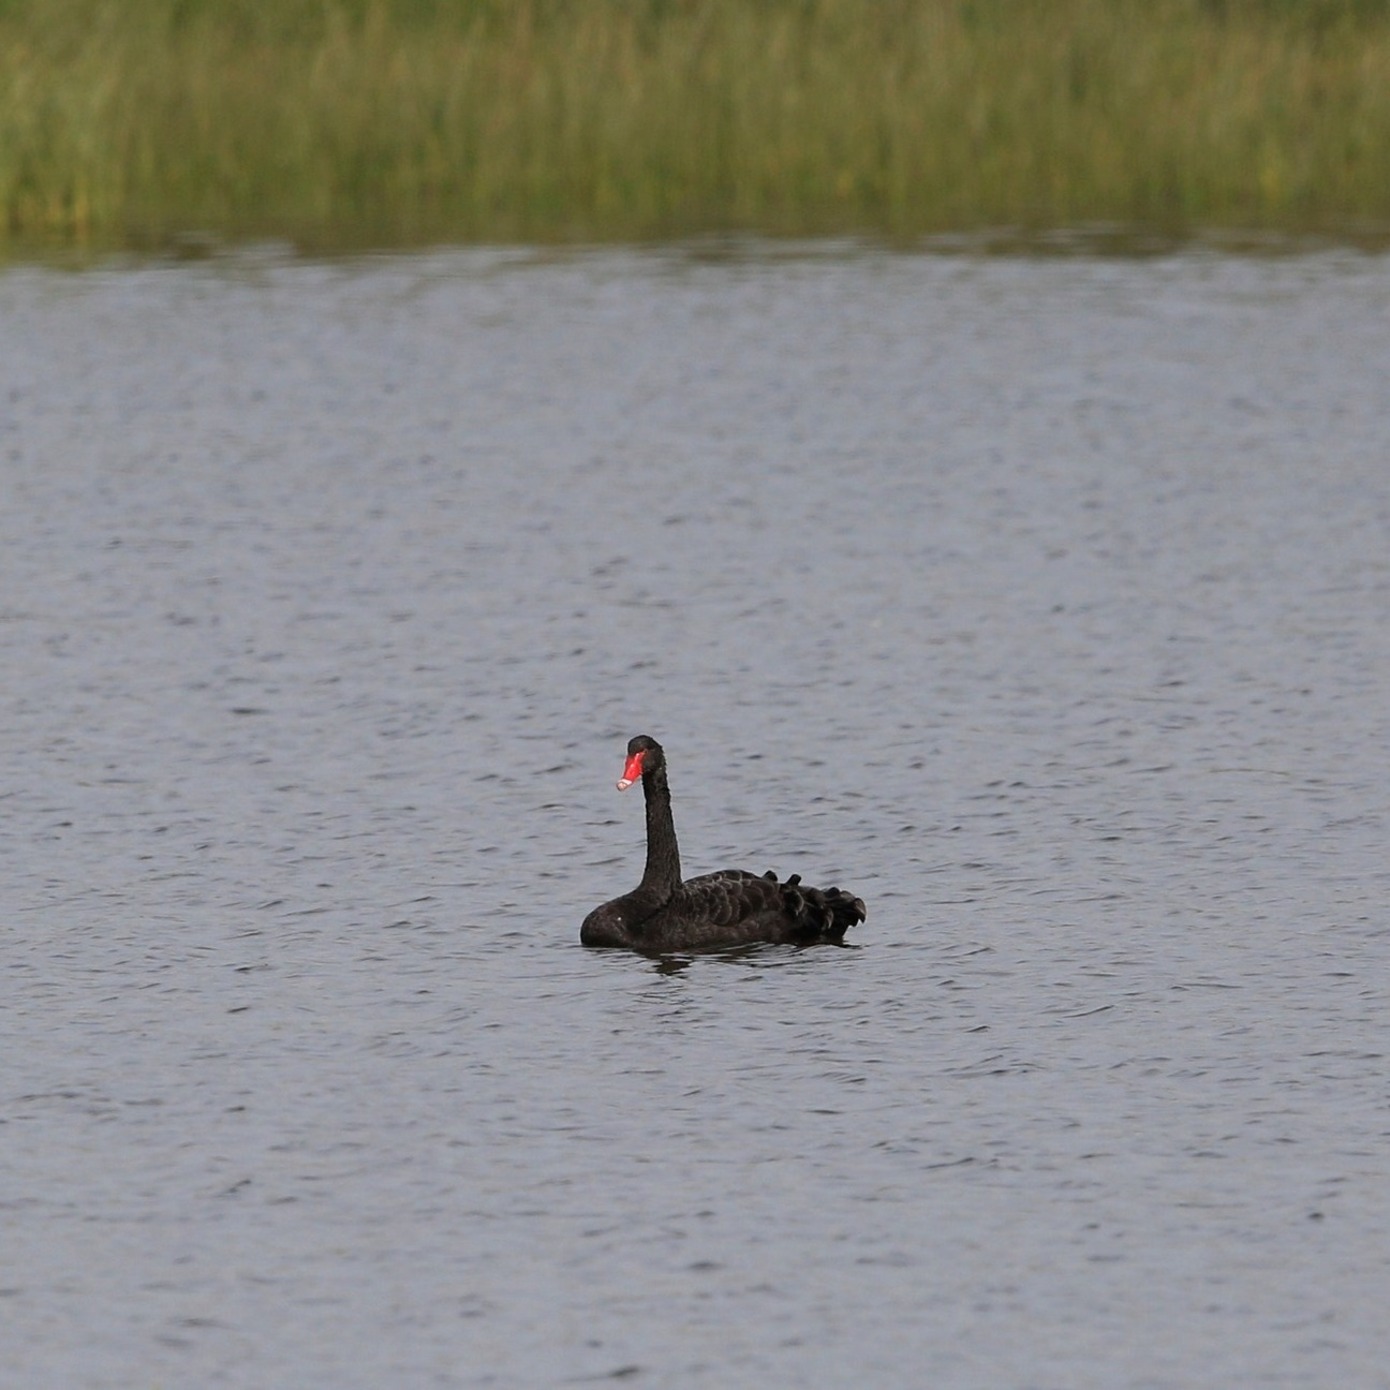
1041,603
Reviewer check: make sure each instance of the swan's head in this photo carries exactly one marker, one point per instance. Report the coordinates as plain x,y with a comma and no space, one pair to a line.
643,755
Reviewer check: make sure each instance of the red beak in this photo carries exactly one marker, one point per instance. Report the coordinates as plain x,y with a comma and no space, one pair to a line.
631,772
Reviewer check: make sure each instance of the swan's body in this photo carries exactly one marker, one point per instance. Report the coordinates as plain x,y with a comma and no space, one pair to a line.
728,908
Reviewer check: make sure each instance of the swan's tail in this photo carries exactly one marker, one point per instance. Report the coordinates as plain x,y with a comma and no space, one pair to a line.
818,914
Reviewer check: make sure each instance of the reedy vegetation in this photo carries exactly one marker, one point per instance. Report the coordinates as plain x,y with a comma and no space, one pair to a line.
352,122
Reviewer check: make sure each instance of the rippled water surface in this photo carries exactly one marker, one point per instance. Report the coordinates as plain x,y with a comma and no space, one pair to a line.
1043,604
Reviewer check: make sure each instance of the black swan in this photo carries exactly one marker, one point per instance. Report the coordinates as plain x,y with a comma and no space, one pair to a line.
729,908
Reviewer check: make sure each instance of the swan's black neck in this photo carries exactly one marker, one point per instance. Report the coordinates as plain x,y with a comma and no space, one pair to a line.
663,872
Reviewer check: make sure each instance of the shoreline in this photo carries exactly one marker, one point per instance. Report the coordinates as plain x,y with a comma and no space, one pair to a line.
350,125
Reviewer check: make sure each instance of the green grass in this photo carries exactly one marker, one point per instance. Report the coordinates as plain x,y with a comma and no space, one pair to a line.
339,123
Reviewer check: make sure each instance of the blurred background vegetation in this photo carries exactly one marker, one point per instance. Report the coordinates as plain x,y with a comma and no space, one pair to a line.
350,123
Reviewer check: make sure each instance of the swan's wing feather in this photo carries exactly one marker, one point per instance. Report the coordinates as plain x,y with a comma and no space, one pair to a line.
727,897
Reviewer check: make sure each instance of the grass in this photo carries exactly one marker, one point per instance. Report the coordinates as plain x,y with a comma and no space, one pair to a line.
339,123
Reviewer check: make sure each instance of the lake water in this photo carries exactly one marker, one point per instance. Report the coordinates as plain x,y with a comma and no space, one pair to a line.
1043,603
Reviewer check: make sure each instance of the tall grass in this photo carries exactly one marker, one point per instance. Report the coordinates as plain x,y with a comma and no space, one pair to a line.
341,122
